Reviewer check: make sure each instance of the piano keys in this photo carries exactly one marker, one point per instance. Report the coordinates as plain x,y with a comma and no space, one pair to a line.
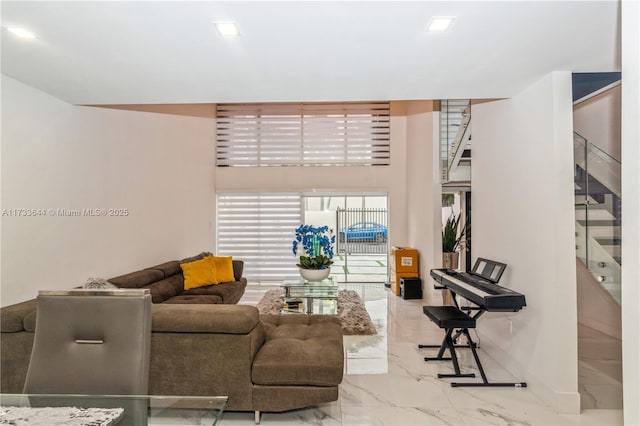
479,290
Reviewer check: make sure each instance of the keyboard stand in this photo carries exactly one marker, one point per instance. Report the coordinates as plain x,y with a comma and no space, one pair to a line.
450,318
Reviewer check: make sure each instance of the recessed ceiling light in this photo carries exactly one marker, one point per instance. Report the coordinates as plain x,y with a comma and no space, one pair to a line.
227,29
21,32
440,23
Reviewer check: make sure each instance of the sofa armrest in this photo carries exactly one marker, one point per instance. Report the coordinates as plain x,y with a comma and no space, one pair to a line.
12,317
203,318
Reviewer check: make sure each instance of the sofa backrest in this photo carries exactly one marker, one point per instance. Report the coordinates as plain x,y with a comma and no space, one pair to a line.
165,280
200,318
18,317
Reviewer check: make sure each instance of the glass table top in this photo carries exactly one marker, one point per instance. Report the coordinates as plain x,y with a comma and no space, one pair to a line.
310,297
110,410
302,288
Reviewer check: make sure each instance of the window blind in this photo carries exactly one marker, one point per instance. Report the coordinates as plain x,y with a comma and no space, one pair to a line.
303,134
259,229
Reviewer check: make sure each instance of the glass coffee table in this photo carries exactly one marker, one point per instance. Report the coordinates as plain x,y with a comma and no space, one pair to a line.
310,297
110,410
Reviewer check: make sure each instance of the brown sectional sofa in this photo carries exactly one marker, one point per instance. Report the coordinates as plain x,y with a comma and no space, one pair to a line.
166,284
263,363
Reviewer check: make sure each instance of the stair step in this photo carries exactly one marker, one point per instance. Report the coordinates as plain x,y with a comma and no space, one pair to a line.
593,215
599,223
580,199
608,241
614,251
603,232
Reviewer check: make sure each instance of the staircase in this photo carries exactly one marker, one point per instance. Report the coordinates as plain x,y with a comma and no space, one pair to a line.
455,140
598,267
598,214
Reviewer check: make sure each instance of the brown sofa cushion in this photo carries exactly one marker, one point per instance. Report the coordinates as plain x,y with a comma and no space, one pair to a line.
238,266
200,318
196,257
138,279
300,350
166,288
195,298
30,322
168,268
225,291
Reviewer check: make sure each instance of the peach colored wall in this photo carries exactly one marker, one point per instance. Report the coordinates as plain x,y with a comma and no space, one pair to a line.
598,120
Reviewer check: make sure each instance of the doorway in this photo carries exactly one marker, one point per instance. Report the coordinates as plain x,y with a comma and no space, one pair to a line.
360,225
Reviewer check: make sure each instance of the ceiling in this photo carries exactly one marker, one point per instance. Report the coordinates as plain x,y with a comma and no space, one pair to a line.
156,52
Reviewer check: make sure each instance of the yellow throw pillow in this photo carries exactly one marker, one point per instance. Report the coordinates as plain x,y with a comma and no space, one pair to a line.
224,268
199,273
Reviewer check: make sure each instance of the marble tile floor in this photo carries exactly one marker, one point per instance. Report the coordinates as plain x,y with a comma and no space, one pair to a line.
599,369
387,382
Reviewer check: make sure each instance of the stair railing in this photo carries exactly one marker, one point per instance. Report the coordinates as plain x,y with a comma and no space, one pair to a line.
598,209
454,114
459,142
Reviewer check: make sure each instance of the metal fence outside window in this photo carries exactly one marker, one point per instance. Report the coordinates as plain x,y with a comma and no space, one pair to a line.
361,231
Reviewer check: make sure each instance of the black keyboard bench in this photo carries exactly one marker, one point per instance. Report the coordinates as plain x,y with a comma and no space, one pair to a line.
450,318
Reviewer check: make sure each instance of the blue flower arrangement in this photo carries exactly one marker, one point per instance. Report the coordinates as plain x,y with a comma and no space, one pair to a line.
317,244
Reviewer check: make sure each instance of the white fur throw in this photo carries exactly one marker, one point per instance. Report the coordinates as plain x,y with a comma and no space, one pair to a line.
98,284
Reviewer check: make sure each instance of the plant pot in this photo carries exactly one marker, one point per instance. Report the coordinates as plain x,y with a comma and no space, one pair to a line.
449,261
315,274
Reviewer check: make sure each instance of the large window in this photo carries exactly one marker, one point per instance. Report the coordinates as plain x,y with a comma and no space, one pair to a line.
303,134
259,229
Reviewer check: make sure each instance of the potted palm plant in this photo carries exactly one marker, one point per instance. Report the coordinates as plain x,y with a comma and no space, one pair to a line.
452,241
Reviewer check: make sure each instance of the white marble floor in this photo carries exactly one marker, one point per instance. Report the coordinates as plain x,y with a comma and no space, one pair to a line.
599,369
387,382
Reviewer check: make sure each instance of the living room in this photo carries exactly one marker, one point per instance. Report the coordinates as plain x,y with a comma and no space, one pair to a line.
153,162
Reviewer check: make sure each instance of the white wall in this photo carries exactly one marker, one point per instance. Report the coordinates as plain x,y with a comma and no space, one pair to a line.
523,215
424,199
59,156
631,211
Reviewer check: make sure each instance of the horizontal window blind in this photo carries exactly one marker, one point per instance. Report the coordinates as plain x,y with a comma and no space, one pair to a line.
259,229
303,134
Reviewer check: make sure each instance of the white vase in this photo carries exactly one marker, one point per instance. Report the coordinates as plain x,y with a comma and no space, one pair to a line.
315,274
